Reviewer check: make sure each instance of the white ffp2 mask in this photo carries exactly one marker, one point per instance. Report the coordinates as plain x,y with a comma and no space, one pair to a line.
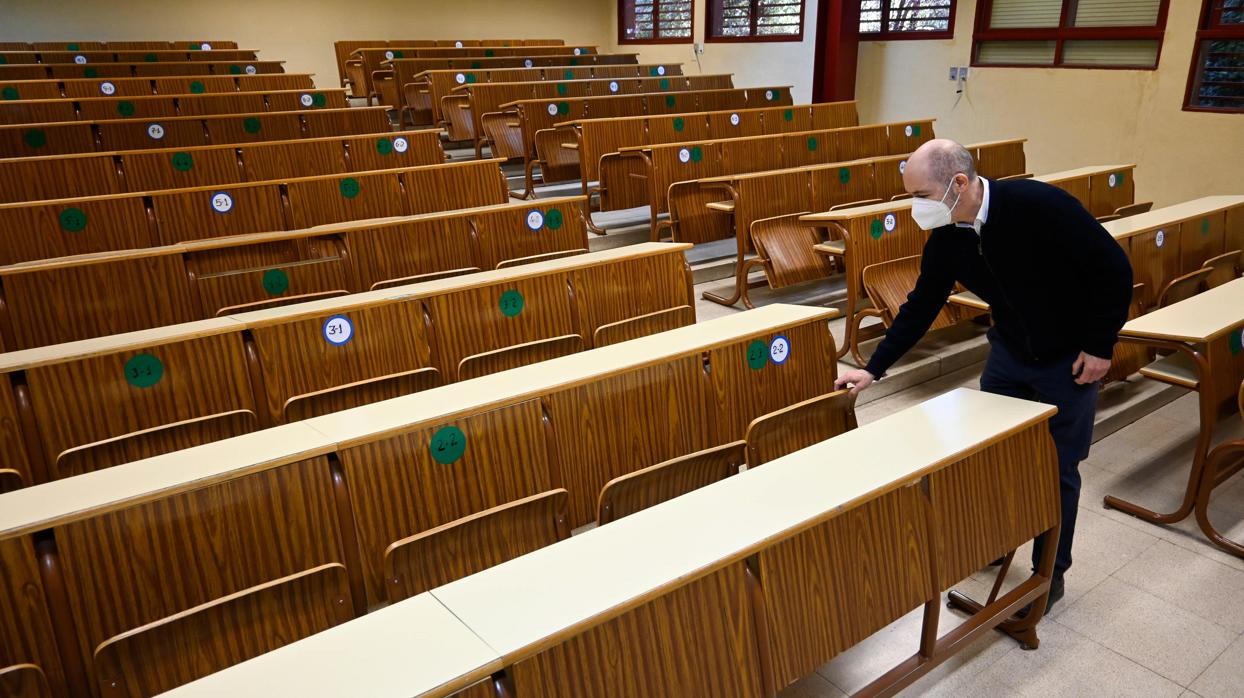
930,214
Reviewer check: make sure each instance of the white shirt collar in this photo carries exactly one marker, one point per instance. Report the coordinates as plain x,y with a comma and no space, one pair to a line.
982,216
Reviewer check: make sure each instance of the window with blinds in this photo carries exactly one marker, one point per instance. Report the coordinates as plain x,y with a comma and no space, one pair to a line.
754,20
655,21
906,19
1216,82
1077,34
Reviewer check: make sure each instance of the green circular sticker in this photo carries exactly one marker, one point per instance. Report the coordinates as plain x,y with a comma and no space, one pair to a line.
447,445
844,175
349,187
1205,226
90,72
876,229
553,219
182,162
125,108
812,144
318,99
757,354
561,89
275,282
665,83
915,130
3,60
35,138
568,75
196,47
574,61
251,125
670,101
1236,341
679,124
474,65
71,47
72,220
471,79
10,93
197,87
143,370
235,70
511,303
151,58
563,108
398,54
788,114
697,154
489,53
384,146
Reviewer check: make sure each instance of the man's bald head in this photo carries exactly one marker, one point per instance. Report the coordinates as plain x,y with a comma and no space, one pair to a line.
934,164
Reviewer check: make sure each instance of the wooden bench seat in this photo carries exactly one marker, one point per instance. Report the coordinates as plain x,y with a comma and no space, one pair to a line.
344,48
142,87
69,71
35,111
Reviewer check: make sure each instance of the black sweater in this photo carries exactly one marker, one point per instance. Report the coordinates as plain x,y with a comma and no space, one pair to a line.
1056,282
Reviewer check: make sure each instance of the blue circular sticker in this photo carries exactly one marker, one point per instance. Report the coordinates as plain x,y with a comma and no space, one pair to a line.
338,330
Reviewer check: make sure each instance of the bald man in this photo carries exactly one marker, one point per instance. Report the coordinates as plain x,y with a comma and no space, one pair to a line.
1058,288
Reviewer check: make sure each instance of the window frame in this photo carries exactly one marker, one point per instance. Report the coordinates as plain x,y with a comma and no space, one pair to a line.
622,23
1205,32
708,27
887,35
1063,33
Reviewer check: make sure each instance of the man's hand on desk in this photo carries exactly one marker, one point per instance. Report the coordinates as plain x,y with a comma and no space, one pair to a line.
1089,369
858,379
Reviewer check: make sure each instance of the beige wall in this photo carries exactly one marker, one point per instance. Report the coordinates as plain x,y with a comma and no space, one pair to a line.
302,33
1070,117
753,64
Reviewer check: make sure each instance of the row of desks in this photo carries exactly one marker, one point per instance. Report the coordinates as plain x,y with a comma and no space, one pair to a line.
447,639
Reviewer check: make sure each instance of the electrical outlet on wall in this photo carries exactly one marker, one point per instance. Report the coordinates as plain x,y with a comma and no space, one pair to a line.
698,49
954,73
963,73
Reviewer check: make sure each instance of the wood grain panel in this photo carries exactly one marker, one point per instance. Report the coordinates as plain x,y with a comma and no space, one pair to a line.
887,177
25,625
192,644
265,285
387,339
398,489
746,393
321,201
155,441
38,230
1104,198
411,249
607,293
262,255
88,400
1001,160
181,169
234,103
294,101
343,122
31,89
121,87
799,426
1201,239
100,109
138,565
378,152
594,446
518,355
505,234
427,560
837,583
994,501
363,392
1079,188
36,140
690,216
643,325
1155,265
472,321
37,111
24,681
284,159
843,184
1234,229
447,187
627,494
182,216
79,302
137,135
17,459
697,640
55,178
252,128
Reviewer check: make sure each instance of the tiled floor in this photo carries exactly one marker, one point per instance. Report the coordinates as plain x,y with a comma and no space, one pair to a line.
1149,611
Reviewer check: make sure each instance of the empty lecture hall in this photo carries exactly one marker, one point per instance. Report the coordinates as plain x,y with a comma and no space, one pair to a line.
622,348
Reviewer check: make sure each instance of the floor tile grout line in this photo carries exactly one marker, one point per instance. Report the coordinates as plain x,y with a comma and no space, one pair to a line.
1124,657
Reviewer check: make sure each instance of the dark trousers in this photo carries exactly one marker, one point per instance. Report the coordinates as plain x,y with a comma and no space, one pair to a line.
1072,427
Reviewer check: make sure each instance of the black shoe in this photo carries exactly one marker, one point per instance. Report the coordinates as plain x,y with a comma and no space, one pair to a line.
1056,595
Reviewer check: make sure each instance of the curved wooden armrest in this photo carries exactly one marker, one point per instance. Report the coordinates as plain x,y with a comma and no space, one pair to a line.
539,258
420,278
279,302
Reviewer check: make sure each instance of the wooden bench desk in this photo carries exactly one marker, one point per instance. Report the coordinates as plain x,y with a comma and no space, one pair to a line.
1206,335
154,107
56,71
138,87
708,593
